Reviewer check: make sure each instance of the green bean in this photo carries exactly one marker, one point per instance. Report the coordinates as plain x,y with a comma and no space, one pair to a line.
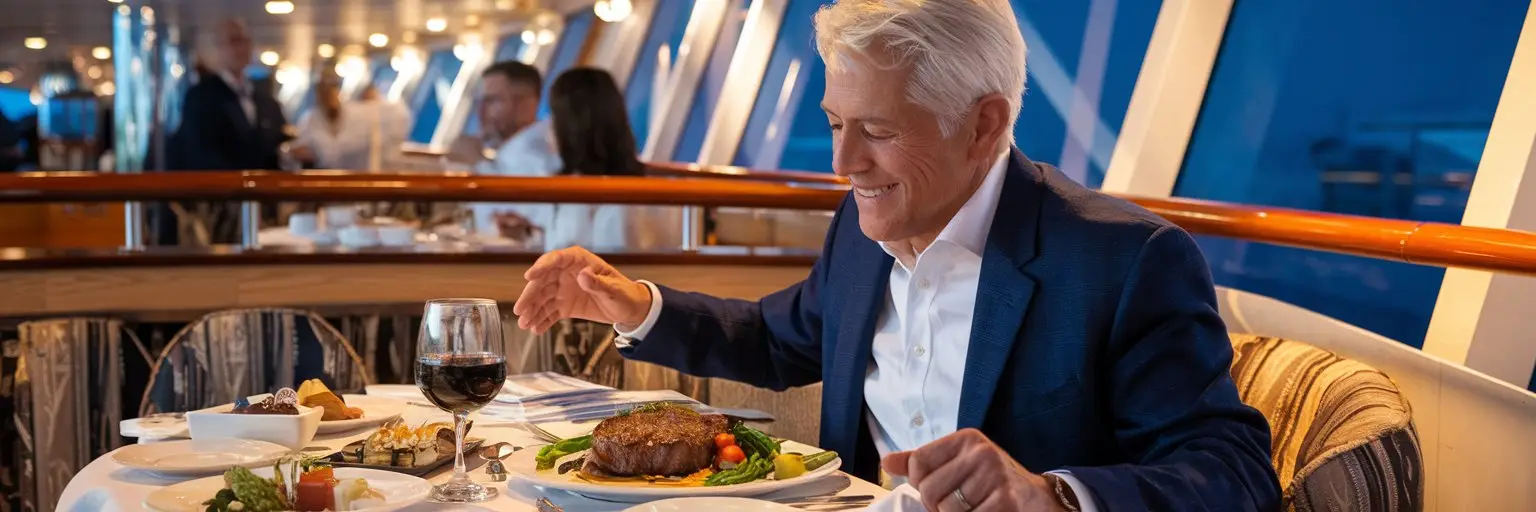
818,460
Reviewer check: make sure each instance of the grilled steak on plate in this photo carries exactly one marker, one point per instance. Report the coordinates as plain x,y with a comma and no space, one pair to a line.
654,440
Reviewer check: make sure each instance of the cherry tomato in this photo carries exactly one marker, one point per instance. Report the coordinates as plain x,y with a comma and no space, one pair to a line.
733,453
724,439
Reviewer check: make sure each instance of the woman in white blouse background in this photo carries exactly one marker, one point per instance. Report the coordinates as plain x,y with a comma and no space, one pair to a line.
337,135
593,137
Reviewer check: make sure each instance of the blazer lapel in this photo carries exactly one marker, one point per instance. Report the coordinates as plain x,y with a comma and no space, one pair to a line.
1005,290
869,272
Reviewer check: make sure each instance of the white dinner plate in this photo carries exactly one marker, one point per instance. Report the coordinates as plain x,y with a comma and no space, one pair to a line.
523,467
198,456
713,504
376,411
399,490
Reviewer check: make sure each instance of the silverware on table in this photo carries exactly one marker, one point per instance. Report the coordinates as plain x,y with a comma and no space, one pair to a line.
822,500
495,453
545,505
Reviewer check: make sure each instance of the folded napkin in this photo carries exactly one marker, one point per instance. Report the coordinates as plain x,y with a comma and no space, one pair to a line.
904,498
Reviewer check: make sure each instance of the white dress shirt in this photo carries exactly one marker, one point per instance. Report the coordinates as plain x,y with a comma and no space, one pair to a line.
922,335
243,92
529,153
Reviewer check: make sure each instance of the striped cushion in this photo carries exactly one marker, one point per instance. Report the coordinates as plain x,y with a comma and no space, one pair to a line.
1342,433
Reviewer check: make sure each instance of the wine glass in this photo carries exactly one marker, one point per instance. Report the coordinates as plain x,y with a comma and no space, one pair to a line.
460,367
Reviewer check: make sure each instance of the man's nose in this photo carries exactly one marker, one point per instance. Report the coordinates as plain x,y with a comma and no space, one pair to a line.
849,155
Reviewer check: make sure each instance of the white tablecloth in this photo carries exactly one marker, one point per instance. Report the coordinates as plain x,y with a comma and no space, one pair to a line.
105,485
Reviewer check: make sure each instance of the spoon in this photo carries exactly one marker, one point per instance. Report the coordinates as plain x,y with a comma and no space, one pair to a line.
495,453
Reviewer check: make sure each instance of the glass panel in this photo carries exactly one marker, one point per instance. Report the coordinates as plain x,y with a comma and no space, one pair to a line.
790,97
566,52
1083,61
667,26
1082,54
383,75
442,68
702,110
1365,108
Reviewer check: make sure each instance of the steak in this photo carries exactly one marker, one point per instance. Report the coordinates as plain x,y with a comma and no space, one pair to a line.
654,441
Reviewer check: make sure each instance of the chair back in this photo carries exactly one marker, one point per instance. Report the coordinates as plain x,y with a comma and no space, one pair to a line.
73,380
1341,432
1475,430
243,352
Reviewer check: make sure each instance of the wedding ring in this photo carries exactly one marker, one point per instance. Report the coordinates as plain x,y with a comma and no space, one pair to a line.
961,499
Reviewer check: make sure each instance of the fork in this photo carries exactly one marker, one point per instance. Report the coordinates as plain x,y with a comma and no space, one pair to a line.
545,505
539,432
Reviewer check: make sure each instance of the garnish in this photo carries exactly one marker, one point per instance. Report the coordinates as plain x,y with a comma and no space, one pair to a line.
548,455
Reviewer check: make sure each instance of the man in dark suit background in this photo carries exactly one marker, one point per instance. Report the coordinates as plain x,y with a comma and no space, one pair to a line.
228,124
984,327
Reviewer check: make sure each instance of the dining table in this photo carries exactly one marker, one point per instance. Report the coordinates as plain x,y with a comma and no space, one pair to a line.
105,485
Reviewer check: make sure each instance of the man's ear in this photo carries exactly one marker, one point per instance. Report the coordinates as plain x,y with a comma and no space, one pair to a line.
991,125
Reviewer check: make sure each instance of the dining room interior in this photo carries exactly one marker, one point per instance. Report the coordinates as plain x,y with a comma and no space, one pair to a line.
272,255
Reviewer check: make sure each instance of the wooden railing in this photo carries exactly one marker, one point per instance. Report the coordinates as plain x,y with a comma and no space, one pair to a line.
1425,243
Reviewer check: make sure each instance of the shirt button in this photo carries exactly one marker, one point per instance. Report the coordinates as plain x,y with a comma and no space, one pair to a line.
920,350
917,420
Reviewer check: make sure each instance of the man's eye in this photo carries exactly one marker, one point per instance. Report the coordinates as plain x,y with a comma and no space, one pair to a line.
877,134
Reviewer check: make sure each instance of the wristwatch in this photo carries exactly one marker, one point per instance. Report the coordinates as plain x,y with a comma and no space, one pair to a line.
1065,496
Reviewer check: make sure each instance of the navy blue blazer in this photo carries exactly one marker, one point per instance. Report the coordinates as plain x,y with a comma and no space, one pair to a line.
1095,348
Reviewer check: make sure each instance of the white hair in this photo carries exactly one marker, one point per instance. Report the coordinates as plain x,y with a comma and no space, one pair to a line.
959,50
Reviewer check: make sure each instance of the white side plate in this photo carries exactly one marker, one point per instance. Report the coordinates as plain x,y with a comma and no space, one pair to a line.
399,490
376,411
198,457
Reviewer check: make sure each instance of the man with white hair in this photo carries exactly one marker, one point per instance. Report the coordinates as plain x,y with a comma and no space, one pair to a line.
1000,336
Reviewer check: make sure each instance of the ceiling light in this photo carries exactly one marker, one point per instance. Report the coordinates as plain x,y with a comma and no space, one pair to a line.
437,25
612,11
546,36
279,7
529,37
35,43
326,51
269,58
101,52
115,1
378,40
106,89
472,20
94,72
7,77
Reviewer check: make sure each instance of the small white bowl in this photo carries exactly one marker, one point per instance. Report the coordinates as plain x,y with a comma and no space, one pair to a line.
397,235
339,216
303,224
293,431
358,236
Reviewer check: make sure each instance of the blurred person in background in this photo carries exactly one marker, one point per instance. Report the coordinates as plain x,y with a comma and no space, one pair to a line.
228,124
509,114
392,119
594,138
334,135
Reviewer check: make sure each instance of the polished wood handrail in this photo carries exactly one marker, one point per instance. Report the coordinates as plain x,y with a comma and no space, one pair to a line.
341,186
1425,243
682,170
230,255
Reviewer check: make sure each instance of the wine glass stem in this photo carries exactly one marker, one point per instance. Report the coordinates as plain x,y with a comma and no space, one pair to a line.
460,473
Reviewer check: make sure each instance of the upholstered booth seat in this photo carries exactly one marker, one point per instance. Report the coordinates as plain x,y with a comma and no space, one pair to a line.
1343,434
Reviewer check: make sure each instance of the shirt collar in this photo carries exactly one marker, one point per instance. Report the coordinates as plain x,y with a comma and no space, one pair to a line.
968,228
232,82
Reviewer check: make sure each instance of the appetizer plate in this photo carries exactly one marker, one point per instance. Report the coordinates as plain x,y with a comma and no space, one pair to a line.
523,467
399,490
198,457
376,411
714,503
